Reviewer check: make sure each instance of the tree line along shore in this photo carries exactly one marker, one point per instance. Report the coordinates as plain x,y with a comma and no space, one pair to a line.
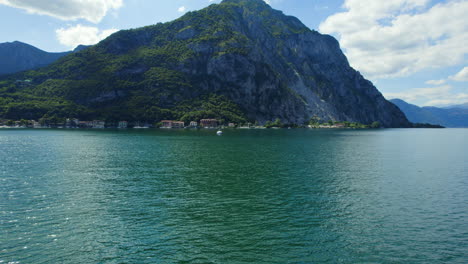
176,124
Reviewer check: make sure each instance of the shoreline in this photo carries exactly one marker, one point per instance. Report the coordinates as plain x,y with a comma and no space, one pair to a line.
219,128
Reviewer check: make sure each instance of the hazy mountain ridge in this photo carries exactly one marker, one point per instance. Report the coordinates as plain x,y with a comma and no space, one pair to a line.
239,52
448,117
18,56
462,106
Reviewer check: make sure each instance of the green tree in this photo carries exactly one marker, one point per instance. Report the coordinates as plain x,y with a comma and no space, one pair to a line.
276,123
375,124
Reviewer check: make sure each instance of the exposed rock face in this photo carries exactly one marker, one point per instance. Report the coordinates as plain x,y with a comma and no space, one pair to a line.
287,71
269,64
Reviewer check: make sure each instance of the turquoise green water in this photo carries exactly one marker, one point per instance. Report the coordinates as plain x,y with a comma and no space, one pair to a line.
249,196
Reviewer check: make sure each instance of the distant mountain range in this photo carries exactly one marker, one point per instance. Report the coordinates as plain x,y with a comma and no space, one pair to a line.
18,56
462,106
453,116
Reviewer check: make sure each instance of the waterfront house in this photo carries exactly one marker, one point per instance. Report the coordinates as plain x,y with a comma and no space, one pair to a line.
178,124
193,124
231,125
166,123
123,124
172,124
209,123
84,124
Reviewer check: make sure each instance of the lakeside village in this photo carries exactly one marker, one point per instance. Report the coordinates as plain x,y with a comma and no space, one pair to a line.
172,124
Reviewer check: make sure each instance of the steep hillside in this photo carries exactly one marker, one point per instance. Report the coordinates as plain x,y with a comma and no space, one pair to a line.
238,60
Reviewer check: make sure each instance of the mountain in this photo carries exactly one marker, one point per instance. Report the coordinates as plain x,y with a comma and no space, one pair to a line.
462,106
81,47
17,56
451,117
238,61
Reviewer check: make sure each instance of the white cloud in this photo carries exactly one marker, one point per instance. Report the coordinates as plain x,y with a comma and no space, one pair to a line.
181,9
455,99
436,82
431,96
394,38
461,76
74,36
91,10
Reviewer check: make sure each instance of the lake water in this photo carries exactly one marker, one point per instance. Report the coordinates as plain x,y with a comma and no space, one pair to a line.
249,196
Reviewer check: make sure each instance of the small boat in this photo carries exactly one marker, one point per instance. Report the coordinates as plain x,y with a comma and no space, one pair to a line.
219,133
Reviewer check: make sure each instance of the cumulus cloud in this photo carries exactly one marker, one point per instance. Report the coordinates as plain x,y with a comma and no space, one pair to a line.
181,9
76,35
395,38
461,76
91,10
431,96
436,82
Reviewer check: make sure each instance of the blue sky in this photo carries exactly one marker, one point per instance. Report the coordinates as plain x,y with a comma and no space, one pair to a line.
410,49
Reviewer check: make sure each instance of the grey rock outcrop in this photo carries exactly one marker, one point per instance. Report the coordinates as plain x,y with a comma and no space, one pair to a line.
286,71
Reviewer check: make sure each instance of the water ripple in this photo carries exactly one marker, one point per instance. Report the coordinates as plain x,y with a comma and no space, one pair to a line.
295,196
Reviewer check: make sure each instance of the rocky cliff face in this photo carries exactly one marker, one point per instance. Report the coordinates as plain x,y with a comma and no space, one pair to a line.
287,71
269,64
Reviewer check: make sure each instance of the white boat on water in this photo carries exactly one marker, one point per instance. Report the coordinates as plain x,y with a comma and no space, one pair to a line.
219,133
